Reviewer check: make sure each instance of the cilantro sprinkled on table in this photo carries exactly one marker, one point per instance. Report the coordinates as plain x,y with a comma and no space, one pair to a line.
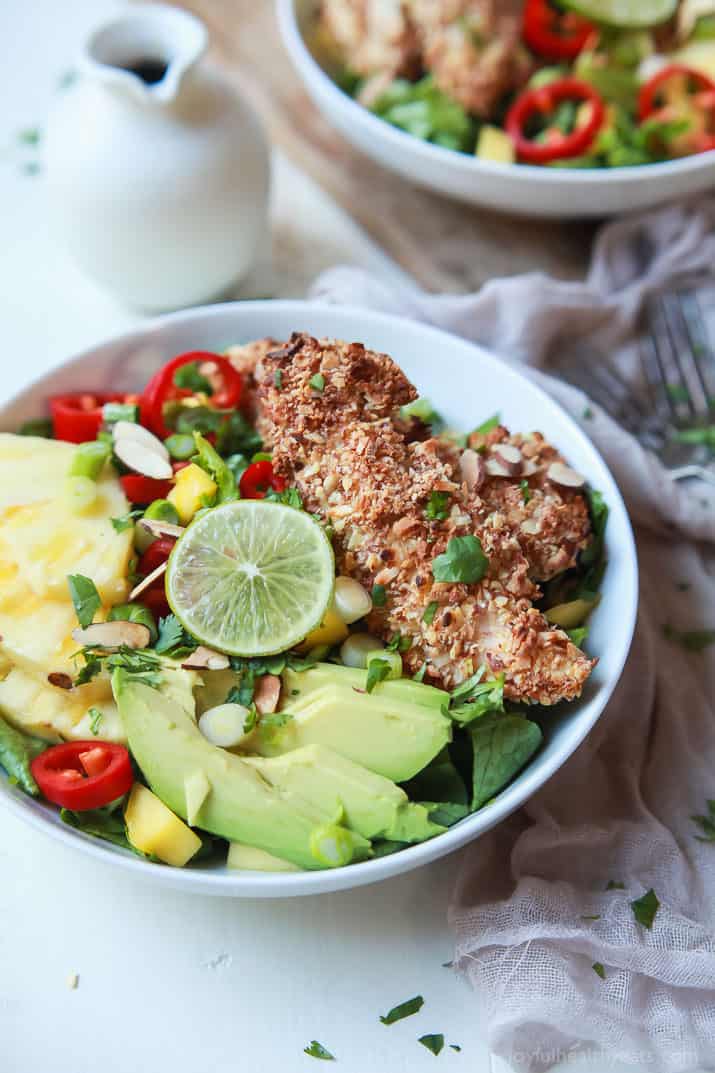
706,823
645,908
591,916
455,1047
404,1009
614,884
463,561
587,414
599,969
433,1041
317,1050
690,640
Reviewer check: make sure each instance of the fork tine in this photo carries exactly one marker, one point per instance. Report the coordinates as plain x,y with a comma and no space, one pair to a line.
703,358
685,353
673,387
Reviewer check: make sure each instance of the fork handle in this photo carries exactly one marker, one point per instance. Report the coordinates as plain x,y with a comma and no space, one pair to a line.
682,473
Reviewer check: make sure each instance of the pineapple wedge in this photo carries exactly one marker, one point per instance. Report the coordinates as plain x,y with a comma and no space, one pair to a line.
57,714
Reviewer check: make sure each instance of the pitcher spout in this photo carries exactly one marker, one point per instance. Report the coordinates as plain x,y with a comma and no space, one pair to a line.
146,52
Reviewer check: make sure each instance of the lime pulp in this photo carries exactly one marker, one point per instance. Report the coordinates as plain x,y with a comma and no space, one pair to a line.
624,14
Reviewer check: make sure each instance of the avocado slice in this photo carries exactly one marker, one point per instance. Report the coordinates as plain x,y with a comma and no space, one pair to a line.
394,731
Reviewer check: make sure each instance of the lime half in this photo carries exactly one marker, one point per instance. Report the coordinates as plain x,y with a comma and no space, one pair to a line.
624,14
251,578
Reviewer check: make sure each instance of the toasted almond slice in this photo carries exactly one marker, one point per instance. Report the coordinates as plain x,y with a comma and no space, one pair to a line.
114,634
147,581
129,430
142,459
494,467
563,475
471,465
529,468
203,658
510,457
267,693
159,529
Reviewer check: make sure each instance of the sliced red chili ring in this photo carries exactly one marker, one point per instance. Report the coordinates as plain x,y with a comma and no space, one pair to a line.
77,417
258,478
144,490
542,102
81,775
557,35
651,104
162,390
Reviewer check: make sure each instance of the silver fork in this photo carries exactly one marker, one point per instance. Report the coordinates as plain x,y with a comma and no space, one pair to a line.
675,415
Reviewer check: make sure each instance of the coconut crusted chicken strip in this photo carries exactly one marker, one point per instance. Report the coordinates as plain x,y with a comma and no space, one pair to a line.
374,37
337,439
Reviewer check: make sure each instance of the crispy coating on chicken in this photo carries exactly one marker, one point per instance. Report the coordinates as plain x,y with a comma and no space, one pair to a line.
373,36
355,466
244,357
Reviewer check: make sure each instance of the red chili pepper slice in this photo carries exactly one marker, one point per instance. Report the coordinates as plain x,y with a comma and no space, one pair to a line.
258,478
543,101
77,418
161,389
144,490
557,35
651,103
81,775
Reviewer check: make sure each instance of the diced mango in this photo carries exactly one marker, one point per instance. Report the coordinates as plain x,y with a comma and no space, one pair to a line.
331,631
153,828
192,483
252,859
494,144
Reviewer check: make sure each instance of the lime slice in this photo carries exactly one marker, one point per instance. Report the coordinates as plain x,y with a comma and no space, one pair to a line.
251,578
624,14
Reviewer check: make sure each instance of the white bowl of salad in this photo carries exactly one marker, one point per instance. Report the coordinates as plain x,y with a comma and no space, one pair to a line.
282,614
564,108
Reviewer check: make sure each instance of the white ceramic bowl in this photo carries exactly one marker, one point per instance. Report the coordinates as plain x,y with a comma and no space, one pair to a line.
515,188
467,385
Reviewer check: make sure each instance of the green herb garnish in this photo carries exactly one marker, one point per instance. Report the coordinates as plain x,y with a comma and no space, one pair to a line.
486,426
434,1042
423,110
398,643
437,508
502,745
317,1050
422,410
85,598
189,378
614,884
120,525
95,718
377,671
405,1009
701,437
37,426
599,969
706,824
211,462
379,595
278,379
525,490
691,640
173,639
317,383
645,908
464,561
429,612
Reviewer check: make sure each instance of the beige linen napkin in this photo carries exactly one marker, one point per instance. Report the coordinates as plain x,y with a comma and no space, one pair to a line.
532,911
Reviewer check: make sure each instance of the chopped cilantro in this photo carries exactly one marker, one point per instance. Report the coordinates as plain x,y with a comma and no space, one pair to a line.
398,643
463,561
29,136
599,969
377,671
434,1042
85,598
126,521
379,595
614,884
278,379
578,635
317,383
475,698
592,916
645,908
677,392
455,1047
211,462
429,612
706,824
691,640
525,490
189,378
487,426
37,426
701,437
95,718
423,410
291,497
587,414
173,638
437,506
317,1050
405,1009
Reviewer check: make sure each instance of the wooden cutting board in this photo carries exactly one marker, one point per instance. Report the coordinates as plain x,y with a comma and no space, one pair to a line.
444,245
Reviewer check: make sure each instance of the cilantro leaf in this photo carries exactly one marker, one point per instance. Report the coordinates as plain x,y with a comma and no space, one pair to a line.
464,561
85,598
690,640
95,718
236,435
437,506
434,1042
377,671
706,824
429,612
317,1050
37,426
599,969
423,110
290,497
173,639
525,490
423,410
188,377
645,908
398,643
211,462
405,1009
379,595
455,1047
615,885
120,525
278,379
487,426
578,635
481,698
702,437
317,383
502,745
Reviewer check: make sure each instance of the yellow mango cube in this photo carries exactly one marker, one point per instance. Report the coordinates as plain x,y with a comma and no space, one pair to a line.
331,631
192,483
154,828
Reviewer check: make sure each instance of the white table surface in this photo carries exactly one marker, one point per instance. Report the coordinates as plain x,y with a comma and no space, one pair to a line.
170,982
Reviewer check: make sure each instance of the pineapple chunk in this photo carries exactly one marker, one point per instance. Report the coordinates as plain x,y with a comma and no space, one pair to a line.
331,631
192,483
154,828
495,144
252,859
54,714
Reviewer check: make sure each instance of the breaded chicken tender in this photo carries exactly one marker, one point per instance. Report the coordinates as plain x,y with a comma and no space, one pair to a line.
373,36
356,466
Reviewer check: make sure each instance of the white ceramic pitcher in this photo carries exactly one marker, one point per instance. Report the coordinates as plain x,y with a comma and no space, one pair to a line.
158,171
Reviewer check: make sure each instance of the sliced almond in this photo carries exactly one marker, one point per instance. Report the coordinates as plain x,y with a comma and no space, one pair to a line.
494,467
203,658
159,529
561,474
147,581
267,693
116,634
510,457
61,681
142,459
529,468
471,465
129,430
